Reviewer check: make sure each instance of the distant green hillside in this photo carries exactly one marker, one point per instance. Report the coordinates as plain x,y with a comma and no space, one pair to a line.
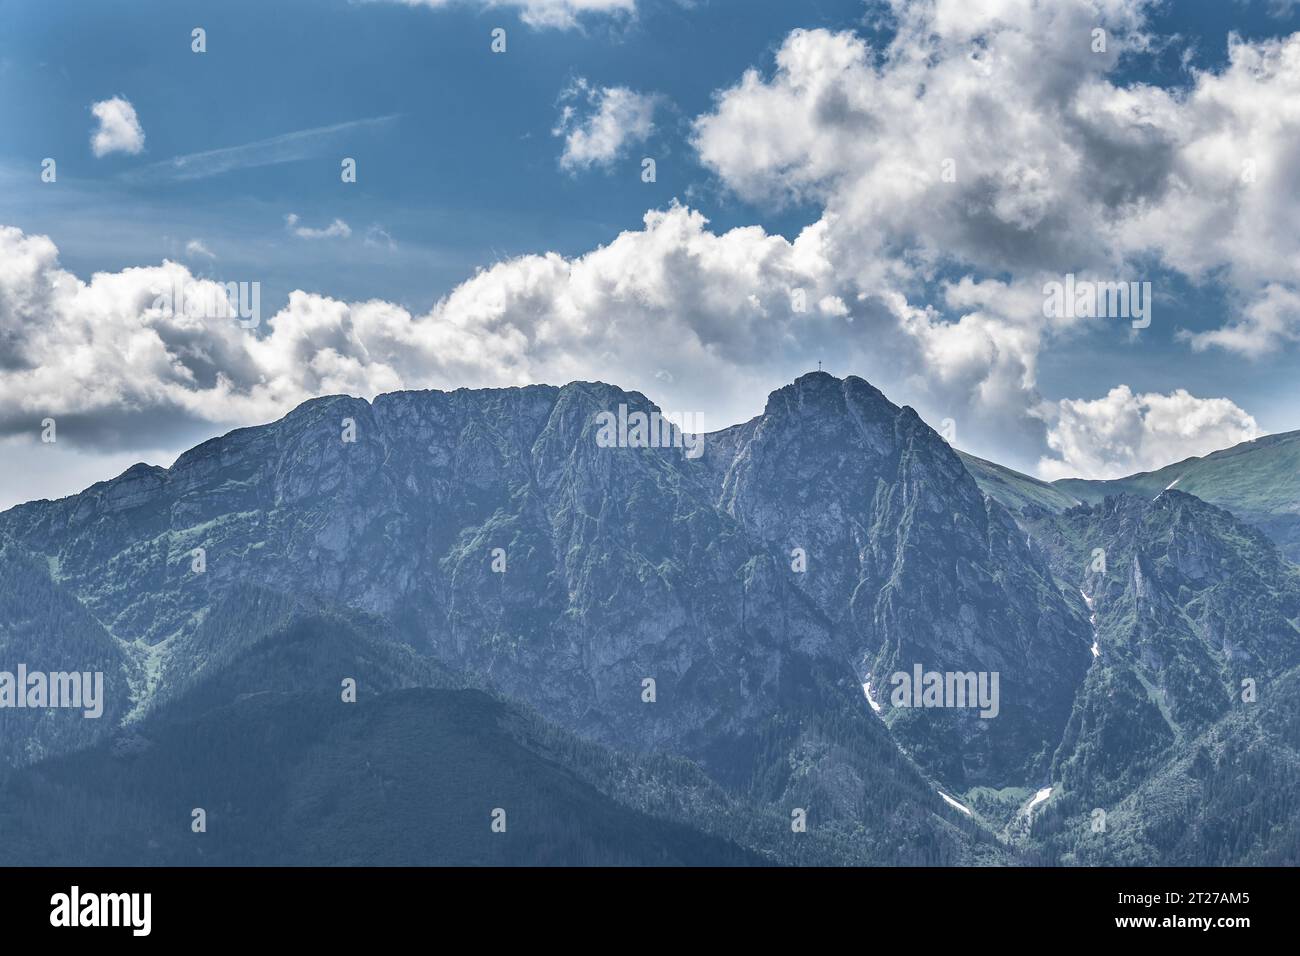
1015,490
409,775
1258,481
290,775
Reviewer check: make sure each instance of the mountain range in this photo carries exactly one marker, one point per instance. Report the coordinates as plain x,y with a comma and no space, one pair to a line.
457,627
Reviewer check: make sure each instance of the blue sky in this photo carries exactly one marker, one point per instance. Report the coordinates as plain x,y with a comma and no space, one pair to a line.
465,175
459,170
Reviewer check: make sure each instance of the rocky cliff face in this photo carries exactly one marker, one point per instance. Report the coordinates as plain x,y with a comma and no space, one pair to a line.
914,566
621,564
1192,610
725,607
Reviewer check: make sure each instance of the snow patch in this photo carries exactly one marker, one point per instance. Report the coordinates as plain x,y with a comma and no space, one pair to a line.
952,802
1092,619
1039,797
866,690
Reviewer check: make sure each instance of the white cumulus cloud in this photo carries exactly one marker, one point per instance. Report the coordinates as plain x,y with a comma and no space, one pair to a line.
955,169
1123,433
598,124
1269,322
119,129
712,310
962,146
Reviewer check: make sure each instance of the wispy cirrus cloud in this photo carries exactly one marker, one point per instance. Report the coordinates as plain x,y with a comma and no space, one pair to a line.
287,148
338,229
556,14
197,249
379,238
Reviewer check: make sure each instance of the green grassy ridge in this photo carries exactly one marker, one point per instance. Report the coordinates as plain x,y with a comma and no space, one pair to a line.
1258,481
1254,473
1015,490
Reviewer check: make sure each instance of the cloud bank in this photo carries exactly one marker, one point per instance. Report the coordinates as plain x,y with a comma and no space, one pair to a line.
1123,433
956,170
